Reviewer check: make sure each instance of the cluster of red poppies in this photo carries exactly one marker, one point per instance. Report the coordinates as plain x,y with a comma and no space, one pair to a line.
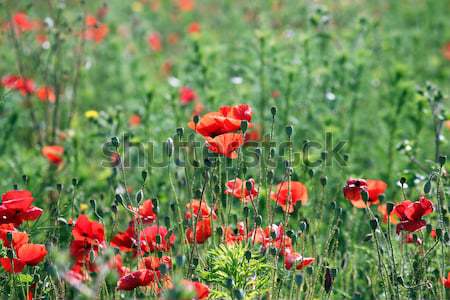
16,207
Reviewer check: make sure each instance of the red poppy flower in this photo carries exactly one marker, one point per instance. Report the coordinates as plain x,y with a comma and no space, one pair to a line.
27,254
154,262
187,95
23,85
76,274
135,120
125,240
22,22
201,211
149,242
411,213
46,93
154,41
294,258
16,207
89,231
54,154
135,279
186,5
18,238
201,290
233,236
409,239
202,231
225,144
278,240
374,188
446,51
227,119
238,189
287,195
353,188
146,213
194,28
446,281
95,31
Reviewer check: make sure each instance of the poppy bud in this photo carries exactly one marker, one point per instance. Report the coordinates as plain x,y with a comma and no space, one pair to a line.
180,131
303,226
428,228
273,111
229,283
196,119
311,173
290,233
219,231
368,237
273,251
167,222
208,163
298,279
25,179
402,181
333,205
169,147
270,175
244,169
272,153
442,160
438,233
389,207
195,262
246,211
238,294
115,142
144,175
180,260
15,186
323,180
328,282
289,130
59,187
139,196
159,254
74,182
248,254
10,254
400,280
163,269
119,199
374,224
195,163
244,126
365,195
9,236
427,187
446,237
258,220
248,185
93,204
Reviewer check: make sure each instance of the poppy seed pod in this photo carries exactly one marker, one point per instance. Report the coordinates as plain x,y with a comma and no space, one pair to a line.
167,222
298,279
196,119
74,182
365,195
15,186
10,254
244,126
303,226
258,220
139,196
119,199
114,208
180,131
59,187
115,142
273,111
389,207
238,294
402,181
442,160
9,236
169,147
323,180
198,193
248,185
381,198
25,179
427,187
374,224
289,130
144,175
248,254
246,211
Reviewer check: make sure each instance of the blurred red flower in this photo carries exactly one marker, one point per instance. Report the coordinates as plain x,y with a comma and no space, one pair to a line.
26,254
411,213
95,30
23,85
238,189
446,51
201,290
54,154
46,93
154,41
292,258
125,240
225,144
134,120
446,281
89,231
194,28
187,95
149,240
199,210
287,195
202,231
186,5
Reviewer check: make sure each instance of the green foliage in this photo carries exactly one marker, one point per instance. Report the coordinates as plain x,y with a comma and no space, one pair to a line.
228,269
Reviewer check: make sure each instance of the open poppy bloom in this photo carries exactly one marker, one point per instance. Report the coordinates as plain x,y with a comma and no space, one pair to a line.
23,85
149,241
194,28
202,231
125,240
446,51
187,95
411,213
238,189
374,188
292,258
46,93
134,120
446,281
272,235
227,119
95,31
199,210
146,213
154,262
287,194
225,144
16,207
18,238
22,22
353,188
89,231
236,235
201,290
27,254
54,154
130,281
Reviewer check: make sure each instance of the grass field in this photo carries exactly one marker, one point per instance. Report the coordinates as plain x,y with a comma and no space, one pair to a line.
215,149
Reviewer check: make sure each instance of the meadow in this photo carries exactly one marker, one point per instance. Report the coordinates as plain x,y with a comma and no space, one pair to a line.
215,149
